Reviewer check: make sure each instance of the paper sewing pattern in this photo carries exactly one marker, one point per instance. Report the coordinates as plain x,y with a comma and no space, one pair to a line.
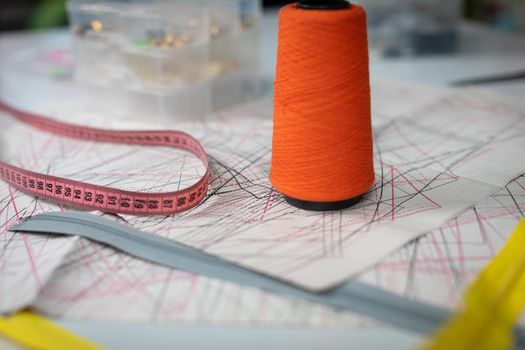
434,159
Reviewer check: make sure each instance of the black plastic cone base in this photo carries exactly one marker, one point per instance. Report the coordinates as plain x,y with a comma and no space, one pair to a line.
322,206
323,4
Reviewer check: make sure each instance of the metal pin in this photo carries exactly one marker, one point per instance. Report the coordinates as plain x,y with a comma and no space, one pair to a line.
97,26
192,22
215,30
169,39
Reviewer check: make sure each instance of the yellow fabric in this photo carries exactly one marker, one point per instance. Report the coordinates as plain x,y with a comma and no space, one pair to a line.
37,333
493,303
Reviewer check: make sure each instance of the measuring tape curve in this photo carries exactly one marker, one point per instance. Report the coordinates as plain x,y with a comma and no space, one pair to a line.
107,199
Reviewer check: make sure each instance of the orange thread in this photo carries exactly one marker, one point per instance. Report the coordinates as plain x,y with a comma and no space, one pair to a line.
322,138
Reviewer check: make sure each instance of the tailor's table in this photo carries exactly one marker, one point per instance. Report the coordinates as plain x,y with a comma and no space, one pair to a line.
482,52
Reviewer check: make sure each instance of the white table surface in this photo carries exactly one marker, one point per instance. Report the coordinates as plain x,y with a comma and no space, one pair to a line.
482,52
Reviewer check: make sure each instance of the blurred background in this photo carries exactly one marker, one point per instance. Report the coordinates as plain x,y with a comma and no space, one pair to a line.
396,27
504,14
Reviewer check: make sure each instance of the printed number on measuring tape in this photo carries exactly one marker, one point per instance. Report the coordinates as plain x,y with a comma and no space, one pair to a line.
94,197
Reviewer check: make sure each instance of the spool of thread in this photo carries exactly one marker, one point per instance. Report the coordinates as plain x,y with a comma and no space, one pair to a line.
322,137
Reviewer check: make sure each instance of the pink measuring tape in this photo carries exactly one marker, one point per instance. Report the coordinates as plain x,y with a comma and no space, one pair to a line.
107,199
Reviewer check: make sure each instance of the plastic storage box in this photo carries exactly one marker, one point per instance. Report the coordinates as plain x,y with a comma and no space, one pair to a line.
172,59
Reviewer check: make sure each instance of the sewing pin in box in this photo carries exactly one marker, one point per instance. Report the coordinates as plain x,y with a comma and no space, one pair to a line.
166,58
